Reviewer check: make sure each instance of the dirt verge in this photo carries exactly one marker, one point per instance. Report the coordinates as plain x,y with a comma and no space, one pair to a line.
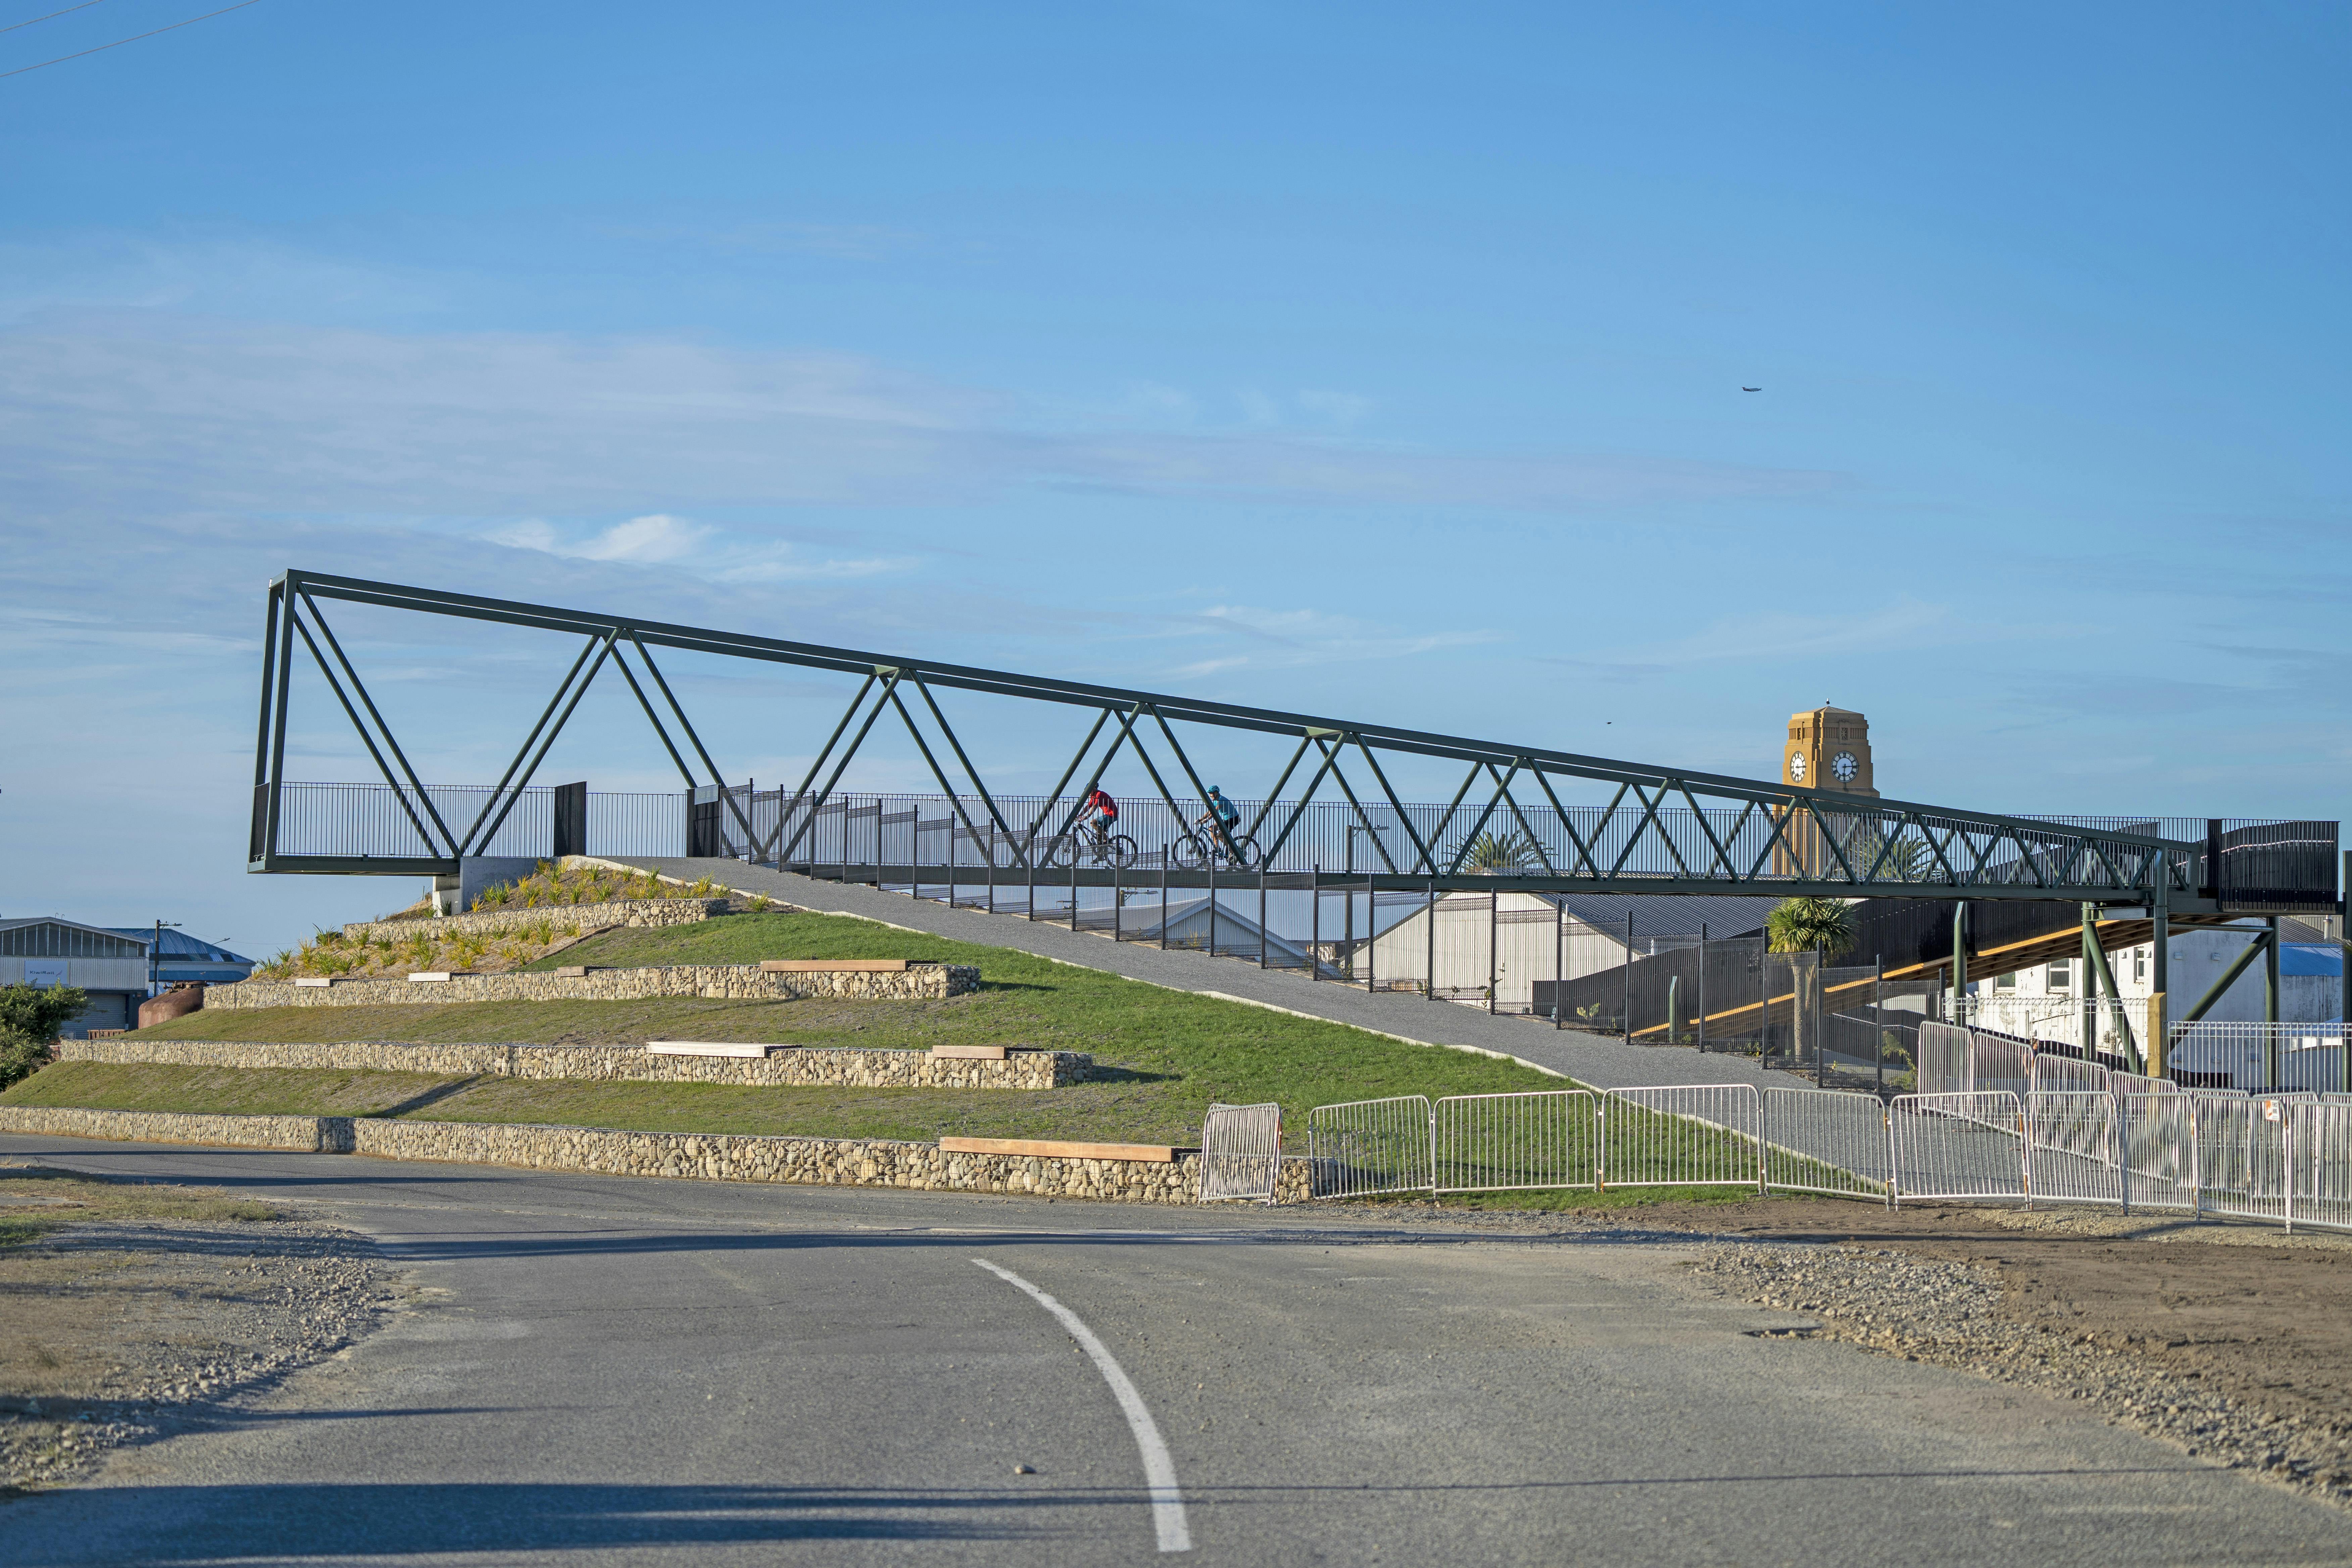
133,1310
2232,1341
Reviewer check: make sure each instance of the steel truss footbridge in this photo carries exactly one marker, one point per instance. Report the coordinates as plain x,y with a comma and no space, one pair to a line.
1661,830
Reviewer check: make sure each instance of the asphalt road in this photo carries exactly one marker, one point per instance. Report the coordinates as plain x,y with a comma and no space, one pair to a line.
617,1371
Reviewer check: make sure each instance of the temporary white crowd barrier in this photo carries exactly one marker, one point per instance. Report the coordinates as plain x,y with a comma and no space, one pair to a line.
1241,1151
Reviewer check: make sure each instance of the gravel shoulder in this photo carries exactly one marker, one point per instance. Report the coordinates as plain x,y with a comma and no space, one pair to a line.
138,1309
2232,1342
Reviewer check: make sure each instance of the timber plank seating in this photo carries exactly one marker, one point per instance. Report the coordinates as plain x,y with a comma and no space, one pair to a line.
1059,1148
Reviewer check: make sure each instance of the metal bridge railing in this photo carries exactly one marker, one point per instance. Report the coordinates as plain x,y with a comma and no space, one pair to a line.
1729,847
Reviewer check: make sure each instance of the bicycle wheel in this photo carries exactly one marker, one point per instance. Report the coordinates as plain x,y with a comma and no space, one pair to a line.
1059,851
1120,851
1185,850
1244,852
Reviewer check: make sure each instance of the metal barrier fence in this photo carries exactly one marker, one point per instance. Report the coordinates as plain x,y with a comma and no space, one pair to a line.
1958,1145
1699,1135
2159,1148
1943,1058
2056,1075
1508,1143
2280,1158
2318,1150
2241,1157
1368,1147
2071,1147
1241,1151
1826,1142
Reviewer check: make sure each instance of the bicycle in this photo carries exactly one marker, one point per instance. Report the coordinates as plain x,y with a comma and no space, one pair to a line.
1116,850
1193,850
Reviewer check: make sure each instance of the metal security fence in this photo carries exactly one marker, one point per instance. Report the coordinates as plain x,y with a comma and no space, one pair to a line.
2318,1157
2072,1143
1943,1058
1368,1147
2241,1157
1241,1151
1964,1146
2159,1152
2054,1074
1701,1135
2285,1158
1510,1143
1817,1142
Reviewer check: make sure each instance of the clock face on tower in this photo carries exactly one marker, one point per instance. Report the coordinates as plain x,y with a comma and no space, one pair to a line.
1845,766
1796,767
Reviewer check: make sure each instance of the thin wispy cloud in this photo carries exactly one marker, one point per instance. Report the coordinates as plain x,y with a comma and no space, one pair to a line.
661,539
240,413
1289,639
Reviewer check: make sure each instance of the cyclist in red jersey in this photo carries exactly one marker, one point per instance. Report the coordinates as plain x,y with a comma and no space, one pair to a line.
1106,812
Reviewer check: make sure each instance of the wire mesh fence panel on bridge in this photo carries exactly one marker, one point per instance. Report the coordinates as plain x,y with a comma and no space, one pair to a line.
2071,1147
1241,1151
1368,1147
1957,1146
1823,1140
379,821
1697,1135
1510,1143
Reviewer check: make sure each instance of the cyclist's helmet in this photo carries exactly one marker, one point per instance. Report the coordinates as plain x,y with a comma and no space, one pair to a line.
1212,789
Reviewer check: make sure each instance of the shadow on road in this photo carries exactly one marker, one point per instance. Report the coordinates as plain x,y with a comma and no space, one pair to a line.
208,1525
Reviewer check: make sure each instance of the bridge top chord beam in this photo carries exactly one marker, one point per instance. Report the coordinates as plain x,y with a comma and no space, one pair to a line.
1049,688
1809,838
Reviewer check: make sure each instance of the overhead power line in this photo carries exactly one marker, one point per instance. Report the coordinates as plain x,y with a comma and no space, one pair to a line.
52,16
118,43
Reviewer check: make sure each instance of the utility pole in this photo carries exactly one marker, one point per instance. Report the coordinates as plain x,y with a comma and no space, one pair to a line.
155,956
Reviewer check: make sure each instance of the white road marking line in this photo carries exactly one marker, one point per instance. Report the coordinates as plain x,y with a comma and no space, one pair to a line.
1158,1470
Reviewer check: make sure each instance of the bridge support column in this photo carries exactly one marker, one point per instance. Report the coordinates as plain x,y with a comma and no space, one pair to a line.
2159,976
1959,960
2271,999
2112,1006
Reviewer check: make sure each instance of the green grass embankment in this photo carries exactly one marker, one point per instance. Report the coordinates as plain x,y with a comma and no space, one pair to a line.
1167,1054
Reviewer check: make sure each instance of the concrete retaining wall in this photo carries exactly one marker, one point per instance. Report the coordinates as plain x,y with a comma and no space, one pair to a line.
718,1157
741,982
588,917
803,1066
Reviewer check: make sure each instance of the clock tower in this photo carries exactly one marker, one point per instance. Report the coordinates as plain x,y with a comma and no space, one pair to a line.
1827,750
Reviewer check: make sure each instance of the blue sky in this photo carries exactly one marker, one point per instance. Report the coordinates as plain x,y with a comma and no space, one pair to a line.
1363,360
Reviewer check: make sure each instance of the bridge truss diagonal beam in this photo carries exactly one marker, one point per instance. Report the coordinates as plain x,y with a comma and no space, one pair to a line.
1663,830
